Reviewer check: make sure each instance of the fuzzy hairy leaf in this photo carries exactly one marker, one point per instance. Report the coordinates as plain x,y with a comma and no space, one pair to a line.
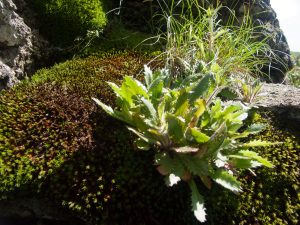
155,91
133,87
255,157
201,106
175,127
150,108
170,164
195,165
244,163
116,89
172,179
200,88
258,143
182,104
198,136
197,202
148,75
226,180
255,128
106,108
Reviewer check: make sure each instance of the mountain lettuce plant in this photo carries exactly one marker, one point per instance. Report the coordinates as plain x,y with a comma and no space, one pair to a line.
196,136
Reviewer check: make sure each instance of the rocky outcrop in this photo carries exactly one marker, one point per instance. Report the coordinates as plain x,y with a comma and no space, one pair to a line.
268,28
261,11
19,44
265,17
284,100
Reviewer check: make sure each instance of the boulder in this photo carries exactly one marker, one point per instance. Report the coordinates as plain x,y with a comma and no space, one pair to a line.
19,44
283,100
265,17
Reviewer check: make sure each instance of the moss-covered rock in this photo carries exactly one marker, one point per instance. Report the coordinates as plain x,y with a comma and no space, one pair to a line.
55,143
49,118
272,195
63,20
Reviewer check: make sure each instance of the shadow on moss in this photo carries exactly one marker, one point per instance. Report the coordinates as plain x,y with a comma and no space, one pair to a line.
55,142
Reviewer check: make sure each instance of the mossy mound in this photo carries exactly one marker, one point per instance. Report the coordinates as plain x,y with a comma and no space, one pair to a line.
55,143
64,20
272,196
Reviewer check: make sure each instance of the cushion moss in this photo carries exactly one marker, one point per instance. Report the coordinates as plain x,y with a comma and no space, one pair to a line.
63,20
55,143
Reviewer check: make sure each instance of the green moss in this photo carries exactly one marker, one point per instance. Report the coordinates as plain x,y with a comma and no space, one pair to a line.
272,196
55,142
43,122
63,20
117,36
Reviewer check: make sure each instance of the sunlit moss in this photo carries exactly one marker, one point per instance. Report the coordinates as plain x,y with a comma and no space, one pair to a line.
56,143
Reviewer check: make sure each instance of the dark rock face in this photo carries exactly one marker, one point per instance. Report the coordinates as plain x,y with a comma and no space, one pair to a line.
263,15
19,44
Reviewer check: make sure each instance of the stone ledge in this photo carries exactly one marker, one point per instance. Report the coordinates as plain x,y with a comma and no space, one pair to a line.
279,95
281,99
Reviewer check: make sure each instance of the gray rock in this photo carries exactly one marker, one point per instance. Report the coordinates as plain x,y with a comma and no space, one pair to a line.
7,76
264,16
19,44
281,99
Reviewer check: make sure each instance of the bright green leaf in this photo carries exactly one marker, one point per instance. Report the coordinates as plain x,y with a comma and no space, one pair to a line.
255,128
150,108
200,89
175,127
134,86
199,136
254,156
106,108
226,180
197,202
258,143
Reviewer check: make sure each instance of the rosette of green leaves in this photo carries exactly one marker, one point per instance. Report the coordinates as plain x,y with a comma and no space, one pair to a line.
196,136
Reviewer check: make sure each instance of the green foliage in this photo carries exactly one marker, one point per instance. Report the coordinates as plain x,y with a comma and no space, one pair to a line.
47,129
270,196
116,36
293,76
88,165
63,20
196,35
192,132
